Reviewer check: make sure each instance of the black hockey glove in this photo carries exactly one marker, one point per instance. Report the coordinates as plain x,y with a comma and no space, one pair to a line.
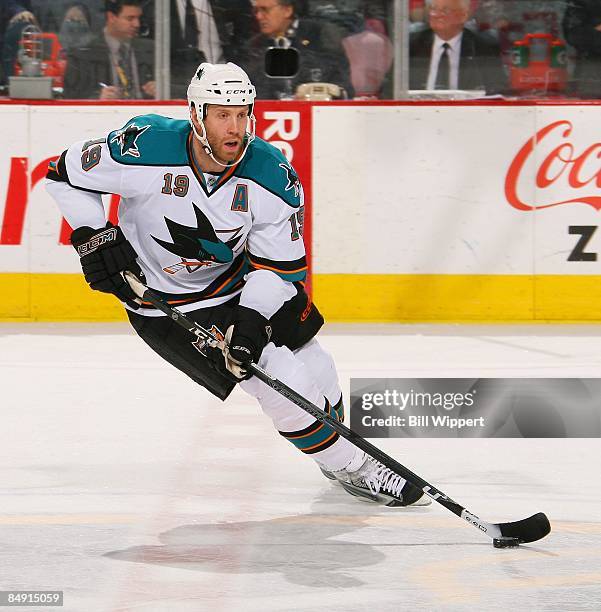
245,340
104,254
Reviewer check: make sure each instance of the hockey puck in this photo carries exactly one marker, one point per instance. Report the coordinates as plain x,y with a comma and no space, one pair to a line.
506,542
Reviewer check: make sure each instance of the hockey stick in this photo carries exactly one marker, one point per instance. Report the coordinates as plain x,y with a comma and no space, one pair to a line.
529,529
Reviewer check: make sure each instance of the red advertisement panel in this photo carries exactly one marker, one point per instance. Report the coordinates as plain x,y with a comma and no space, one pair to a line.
287,125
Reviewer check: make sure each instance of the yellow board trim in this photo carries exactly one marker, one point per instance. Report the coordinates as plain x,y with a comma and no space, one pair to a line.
348,298
457,298
55,297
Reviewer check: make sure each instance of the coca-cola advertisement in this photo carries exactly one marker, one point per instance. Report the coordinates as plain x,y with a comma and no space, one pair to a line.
564,173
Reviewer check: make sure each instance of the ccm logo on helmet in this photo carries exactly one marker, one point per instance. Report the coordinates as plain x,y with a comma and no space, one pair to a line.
235,91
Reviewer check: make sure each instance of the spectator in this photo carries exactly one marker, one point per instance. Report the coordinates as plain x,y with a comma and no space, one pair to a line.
447,55
582,29
51,13
75,30
206,31
370,53
116,64
418,13
15,15
322,59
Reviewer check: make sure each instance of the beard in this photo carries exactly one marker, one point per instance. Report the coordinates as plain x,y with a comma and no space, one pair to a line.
225,153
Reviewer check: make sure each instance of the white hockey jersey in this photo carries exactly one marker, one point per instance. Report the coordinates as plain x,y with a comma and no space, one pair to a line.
199,237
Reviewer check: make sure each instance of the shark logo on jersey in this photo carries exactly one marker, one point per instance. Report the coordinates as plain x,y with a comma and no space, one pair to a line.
198,246
127,139
292,177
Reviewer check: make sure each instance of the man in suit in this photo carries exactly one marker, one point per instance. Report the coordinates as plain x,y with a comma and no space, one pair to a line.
116,64
321,56
449,56
206,31
582,29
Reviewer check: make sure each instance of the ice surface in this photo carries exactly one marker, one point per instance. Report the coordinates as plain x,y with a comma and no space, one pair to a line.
130,488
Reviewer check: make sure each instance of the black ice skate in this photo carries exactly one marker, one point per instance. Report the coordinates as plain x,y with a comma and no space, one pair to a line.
375,483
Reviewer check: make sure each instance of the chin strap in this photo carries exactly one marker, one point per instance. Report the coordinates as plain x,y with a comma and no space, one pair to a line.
206,147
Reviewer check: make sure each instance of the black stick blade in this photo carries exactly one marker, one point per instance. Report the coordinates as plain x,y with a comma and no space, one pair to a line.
530,529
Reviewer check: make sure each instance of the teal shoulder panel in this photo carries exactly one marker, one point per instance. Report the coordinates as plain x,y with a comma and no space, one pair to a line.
150,140
266,165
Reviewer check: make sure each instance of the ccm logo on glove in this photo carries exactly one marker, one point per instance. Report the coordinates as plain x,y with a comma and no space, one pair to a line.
109,235
105,253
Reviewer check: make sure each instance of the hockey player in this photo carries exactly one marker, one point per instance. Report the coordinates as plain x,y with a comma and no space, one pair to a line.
211,218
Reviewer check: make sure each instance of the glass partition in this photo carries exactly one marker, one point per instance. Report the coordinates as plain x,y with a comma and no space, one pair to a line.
118,63
469,48
88,49
349,49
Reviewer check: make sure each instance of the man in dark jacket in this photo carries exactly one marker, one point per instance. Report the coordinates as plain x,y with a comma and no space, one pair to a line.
582,30
321,56
116,64
206,31
449,56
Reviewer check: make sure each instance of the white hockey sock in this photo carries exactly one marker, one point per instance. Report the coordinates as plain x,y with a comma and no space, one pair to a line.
342,455
295,424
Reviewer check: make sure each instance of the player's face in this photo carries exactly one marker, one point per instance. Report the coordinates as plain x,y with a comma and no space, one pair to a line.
226,126
273,18
126,24
447,17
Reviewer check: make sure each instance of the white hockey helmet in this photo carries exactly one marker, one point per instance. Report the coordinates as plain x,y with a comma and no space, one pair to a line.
225,84
222,84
